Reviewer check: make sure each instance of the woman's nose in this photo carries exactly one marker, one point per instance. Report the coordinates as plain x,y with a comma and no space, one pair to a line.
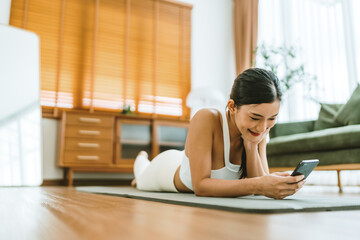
261,127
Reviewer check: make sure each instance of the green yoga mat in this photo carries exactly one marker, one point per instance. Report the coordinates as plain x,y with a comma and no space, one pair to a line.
251,204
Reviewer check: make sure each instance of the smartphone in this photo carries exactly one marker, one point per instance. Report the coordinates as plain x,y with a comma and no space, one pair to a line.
305,167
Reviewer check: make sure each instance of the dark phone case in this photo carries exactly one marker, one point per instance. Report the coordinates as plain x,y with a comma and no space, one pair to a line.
305,167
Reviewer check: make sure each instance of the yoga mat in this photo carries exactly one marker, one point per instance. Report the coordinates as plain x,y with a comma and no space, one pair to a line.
250,204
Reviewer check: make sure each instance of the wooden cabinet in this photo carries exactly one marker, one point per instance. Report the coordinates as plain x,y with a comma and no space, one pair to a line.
86,139
95,142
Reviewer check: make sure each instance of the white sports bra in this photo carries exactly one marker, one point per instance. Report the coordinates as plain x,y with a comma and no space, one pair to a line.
229,172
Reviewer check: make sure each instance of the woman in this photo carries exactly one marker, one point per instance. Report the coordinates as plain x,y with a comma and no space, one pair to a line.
225,152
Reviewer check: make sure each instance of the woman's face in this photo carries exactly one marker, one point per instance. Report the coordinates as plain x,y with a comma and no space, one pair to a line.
254,120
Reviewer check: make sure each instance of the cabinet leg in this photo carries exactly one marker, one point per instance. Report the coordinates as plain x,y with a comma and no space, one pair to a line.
70,177
65,173
339,181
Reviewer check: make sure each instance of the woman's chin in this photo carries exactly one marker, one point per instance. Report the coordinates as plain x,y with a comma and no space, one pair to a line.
246,135
251,138
254,140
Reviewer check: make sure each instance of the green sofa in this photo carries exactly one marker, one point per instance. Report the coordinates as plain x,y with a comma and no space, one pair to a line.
334,139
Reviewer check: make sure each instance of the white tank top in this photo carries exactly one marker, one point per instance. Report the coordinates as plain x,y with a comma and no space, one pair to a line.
228,172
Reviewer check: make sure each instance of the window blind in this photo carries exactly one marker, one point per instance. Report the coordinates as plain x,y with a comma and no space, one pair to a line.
107,54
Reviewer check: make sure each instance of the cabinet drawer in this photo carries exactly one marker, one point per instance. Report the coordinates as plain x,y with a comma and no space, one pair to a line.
89,120
88,144
87,157
89,132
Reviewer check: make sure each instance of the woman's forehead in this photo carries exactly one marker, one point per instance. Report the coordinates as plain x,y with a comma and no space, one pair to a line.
264,109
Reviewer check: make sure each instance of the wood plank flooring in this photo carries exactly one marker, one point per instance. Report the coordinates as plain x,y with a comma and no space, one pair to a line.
63,213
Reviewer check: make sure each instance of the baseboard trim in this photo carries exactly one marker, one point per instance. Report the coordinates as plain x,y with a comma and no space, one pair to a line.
88,182
53,182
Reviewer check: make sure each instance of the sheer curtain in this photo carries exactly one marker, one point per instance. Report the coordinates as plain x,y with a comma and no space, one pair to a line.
328,44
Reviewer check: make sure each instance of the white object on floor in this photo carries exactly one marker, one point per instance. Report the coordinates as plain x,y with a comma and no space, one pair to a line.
20,111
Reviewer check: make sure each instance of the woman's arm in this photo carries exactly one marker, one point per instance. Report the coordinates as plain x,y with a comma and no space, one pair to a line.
276,185
198,148
262,154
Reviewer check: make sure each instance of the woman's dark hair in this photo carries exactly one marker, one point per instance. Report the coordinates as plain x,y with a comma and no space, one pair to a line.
254,86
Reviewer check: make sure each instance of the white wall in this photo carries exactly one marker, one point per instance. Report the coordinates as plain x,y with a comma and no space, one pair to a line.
51,144
213,51
212,65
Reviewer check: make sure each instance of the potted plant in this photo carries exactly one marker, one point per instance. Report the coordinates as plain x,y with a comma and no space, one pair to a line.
127,109
284,63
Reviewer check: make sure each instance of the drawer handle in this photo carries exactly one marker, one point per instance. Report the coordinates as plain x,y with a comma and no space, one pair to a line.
88,145
88,132
90,120
88,158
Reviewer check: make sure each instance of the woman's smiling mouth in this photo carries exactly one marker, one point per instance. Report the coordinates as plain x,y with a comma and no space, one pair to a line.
254,134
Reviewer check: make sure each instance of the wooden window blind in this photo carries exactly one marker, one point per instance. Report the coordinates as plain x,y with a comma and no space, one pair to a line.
105,54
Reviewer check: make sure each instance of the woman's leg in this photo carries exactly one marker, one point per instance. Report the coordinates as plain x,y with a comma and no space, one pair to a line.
157,175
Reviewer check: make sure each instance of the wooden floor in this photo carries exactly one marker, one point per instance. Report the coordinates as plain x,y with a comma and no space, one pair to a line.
63,213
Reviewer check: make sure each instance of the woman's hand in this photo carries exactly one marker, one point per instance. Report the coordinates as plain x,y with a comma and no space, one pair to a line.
256,155
279,185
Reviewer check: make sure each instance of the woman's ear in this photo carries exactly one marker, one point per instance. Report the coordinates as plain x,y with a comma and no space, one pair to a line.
231,106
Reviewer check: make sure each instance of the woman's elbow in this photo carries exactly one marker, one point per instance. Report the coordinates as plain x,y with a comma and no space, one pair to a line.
197,191
200,190
200,193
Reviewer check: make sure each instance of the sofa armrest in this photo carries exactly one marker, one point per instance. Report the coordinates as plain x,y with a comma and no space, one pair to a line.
283,129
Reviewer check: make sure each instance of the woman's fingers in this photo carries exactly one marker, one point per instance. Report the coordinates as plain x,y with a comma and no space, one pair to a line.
282,174
294,179
288,189
297,185
292,188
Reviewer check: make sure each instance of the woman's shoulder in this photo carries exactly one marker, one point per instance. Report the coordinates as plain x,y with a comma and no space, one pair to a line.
207,116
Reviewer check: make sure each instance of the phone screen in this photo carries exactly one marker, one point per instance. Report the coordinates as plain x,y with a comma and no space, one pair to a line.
305,167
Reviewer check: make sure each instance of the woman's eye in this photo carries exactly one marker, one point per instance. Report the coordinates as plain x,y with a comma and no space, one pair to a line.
254,118
272,119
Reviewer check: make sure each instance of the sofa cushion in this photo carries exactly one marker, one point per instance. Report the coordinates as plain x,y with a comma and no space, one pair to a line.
350,112
326,116
328,139
289,128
